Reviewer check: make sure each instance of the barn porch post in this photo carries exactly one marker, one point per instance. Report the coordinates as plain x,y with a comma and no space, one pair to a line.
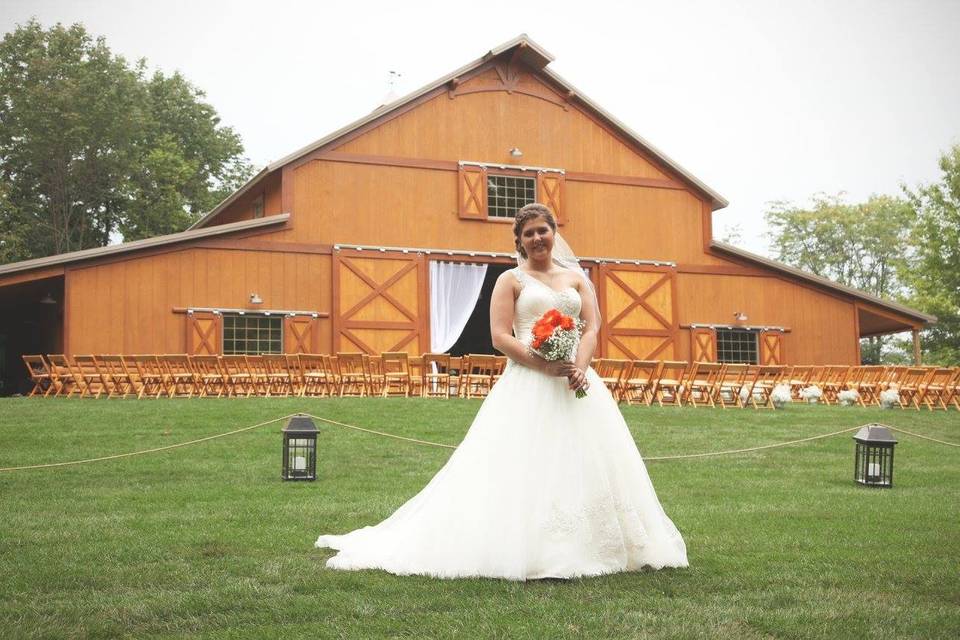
916,346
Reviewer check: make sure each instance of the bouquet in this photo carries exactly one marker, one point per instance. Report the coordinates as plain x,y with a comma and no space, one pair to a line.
555,337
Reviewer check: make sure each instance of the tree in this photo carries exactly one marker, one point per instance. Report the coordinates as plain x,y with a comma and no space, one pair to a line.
857,245
89,146
935,272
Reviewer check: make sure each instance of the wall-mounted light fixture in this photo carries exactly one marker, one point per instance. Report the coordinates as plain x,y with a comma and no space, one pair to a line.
740,316
255,298
516,153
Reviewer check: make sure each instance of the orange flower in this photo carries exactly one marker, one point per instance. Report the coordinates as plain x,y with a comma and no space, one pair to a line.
553,316
543,331
566,323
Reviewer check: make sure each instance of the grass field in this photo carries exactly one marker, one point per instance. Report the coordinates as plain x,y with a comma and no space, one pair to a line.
206,541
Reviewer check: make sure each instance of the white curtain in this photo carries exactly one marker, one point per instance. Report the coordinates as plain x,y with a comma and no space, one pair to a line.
454,291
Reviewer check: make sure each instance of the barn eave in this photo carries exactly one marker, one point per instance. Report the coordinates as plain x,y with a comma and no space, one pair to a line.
42,266
887,316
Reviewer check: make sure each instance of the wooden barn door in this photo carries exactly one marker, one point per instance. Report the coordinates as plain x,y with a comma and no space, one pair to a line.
703,344
203,333
300,334
638,304
771,348
380,302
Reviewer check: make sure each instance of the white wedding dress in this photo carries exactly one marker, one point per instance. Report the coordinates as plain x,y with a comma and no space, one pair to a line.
543,485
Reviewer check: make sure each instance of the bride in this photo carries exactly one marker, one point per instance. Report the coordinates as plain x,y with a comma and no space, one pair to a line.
543,485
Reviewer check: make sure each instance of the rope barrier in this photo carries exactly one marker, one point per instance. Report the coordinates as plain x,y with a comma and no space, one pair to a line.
445,446
145,451
381,433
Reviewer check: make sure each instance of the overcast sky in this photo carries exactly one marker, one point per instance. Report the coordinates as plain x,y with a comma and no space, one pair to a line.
760,100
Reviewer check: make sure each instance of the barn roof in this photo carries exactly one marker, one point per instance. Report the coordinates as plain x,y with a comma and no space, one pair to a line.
823,282
147,243
535,57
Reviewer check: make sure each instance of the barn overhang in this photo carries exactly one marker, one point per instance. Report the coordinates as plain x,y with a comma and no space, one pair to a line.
875,316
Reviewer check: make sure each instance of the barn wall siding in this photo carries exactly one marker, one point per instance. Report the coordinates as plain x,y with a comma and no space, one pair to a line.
127,306
822,327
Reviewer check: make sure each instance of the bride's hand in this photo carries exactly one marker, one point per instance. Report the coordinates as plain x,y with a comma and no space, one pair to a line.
559,368
578,380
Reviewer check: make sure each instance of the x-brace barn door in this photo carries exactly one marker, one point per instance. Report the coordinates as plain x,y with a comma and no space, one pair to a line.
638,303
380,302
203,333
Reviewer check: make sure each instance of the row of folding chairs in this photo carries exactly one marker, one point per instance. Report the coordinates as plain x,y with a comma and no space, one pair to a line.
341,374
738,385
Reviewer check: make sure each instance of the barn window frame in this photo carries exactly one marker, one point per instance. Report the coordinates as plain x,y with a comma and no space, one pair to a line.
511,204
254,341
738,345
257,206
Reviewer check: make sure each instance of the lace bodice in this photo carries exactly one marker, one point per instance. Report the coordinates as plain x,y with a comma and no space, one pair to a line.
535,299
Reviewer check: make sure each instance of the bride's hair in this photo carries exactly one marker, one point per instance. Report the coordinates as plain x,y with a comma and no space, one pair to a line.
527,213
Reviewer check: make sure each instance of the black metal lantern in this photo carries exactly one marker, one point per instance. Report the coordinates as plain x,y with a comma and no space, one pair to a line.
873,461
300,449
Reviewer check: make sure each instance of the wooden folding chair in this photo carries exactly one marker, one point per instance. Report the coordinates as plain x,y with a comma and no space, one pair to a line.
614,373
869,385
316,376
40,375
436,375
259,375
670,383
799,379
416,375
114,369
178,378
373,376
297,381
396,374
457,365
93,381
640,381
68,379
814,378
760,383
208,375
951,394
933,388
279,377
731,383
834,381
237,378
352,374
150,375
702,383
476,379
911,385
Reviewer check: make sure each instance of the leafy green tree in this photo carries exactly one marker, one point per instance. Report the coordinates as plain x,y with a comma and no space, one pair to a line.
857,245
89,146
935,272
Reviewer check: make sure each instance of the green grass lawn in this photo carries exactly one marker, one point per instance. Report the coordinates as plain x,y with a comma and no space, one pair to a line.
206,540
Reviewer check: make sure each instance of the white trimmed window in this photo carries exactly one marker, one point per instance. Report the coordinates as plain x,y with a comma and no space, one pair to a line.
507,194
252,334
737,346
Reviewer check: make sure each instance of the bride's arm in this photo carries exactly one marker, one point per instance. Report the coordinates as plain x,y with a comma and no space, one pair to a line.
591,331
501,329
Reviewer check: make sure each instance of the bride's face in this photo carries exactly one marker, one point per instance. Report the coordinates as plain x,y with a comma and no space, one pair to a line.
537,238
